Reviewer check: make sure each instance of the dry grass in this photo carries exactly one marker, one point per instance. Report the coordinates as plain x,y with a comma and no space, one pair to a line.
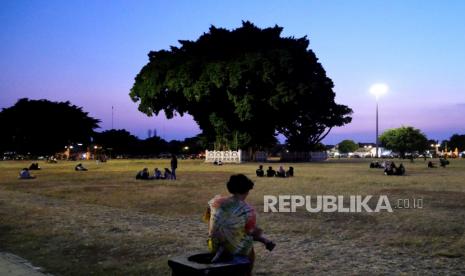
105,222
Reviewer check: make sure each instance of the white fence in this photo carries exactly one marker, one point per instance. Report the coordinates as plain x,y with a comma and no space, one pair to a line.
225,156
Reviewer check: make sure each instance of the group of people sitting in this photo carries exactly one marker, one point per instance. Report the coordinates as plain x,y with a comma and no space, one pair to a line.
442,162
392,169
281,172
157,174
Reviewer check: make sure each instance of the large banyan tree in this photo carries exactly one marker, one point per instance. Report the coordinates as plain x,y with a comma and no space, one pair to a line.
243,87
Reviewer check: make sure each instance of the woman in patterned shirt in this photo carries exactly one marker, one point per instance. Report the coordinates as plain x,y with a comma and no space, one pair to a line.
232,223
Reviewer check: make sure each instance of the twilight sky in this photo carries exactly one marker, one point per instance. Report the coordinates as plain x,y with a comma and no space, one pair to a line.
88,52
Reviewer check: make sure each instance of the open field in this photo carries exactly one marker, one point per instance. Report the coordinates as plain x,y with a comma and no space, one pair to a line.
105,222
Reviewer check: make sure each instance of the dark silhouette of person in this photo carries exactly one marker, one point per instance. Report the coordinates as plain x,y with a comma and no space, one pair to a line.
168,174
143,175
80,167
290,172
260,172
157,174
281,172
34,167
270,172
174,166
400,170
431,165
390,169
444,162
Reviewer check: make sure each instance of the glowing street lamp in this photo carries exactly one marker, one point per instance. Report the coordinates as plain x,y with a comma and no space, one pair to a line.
378,89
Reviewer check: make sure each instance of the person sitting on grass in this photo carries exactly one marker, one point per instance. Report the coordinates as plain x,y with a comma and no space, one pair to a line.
260,172
24,174
80,167
232,226
431,165
270,172
281,172
444,162
400,170
34,167
290,172
167,174
143,175
390,169
157,174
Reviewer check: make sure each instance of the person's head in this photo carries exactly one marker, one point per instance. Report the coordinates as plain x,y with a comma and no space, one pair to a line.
173,155
167,170
291,169
260,167
145,170
269,168
156,169
25,169
239,184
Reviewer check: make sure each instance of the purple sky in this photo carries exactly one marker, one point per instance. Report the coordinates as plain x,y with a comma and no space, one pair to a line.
88,52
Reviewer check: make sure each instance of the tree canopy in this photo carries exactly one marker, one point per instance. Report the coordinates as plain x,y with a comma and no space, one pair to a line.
456,141
44,127
243,87
347,146
404,139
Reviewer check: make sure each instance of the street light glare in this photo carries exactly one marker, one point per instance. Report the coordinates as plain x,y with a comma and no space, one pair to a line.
379,89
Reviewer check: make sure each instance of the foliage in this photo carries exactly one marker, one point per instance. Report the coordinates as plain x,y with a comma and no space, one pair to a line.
42,127
347,146
456,141
243,87
404,139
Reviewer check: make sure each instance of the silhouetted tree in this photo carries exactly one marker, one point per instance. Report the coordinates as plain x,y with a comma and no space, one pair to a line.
404,139
347,146
456,141
120,141
42,127
243,87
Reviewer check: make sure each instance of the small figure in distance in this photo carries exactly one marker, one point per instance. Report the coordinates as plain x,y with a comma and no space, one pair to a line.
167,174
281,172
390,169
400,170
431,165
80,167
157,174
270,172
52,159
444,162
24,174
34,167
260,172
143,175
290,172
174,166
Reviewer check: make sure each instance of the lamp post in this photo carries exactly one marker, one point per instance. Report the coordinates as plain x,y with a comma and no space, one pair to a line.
378,90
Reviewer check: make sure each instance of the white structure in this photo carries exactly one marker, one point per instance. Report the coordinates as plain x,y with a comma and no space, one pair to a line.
225,156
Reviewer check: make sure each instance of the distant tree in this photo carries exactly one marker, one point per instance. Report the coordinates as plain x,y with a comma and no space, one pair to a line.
243,87
118,141
456,141
404,139
42,127
347,146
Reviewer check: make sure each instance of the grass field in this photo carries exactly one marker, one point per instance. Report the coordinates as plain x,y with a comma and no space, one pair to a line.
103,221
